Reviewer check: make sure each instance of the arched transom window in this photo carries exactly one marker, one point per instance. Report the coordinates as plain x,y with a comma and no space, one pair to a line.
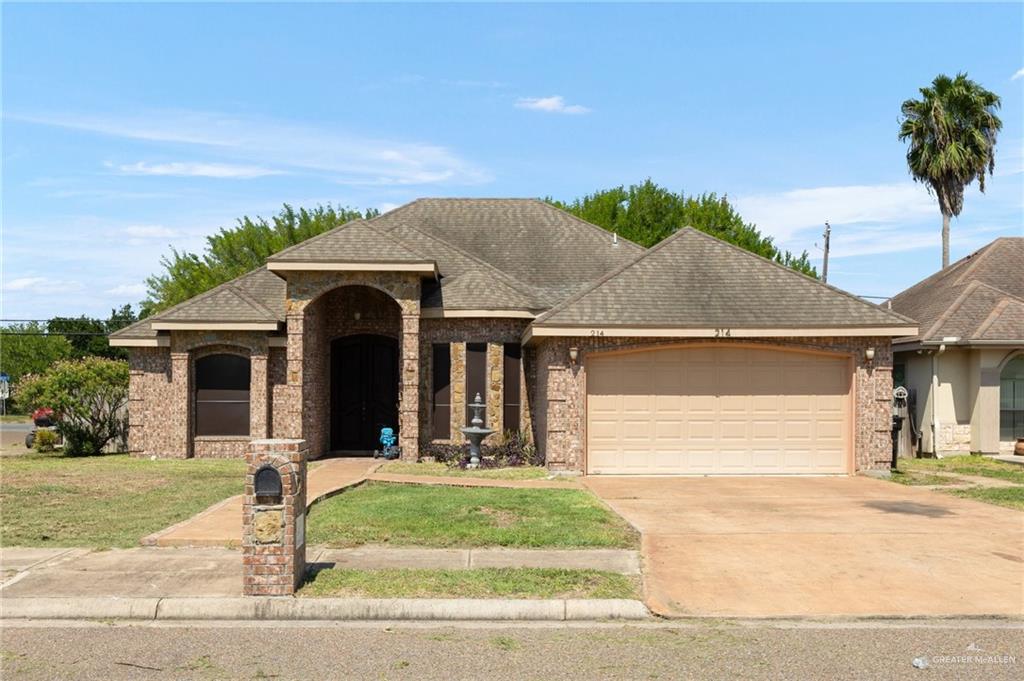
222,395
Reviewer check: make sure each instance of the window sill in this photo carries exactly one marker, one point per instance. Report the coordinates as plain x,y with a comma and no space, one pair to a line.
222,438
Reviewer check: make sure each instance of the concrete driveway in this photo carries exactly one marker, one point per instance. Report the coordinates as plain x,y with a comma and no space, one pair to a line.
844,546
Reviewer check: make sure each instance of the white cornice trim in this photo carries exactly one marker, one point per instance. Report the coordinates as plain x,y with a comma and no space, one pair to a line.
215,326
158,342
425,267
438,313
723,333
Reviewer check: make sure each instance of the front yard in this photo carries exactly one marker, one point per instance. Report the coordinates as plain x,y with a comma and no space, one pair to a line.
477,583
443,516
443,470
969,477
105,501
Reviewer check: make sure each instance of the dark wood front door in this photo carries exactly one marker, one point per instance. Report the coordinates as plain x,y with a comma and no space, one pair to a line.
364,390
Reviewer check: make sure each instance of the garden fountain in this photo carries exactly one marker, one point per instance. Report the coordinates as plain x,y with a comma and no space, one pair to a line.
475,433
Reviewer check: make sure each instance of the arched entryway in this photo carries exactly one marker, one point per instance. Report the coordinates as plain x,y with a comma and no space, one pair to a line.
364,390
358,329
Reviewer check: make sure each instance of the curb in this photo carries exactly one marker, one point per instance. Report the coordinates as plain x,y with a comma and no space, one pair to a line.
287,608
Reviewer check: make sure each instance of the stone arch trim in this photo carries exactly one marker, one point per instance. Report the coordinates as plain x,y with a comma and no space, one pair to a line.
1010,356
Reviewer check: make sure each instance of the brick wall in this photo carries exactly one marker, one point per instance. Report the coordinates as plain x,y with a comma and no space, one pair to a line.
560,410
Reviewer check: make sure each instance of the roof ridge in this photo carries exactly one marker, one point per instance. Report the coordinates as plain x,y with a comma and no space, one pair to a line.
319,236
508,280
977,257
204,294
809,278
244,295
948,312
996,313
607,277
591,225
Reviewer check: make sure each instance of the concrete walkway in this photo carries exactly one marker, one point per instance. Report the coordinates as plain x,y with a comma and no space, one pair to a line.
623,561
221,524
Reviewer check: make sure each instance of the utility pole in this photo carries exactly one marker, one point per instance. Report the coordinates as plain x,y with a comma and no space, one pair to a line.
824,267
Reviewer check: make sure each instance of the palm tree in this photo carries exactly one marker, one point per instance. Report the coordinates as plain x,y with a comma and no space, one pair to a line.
952,132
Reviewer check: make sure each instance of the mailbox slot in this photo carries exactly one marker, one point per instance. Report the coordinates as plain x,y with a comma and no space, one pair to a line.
267,486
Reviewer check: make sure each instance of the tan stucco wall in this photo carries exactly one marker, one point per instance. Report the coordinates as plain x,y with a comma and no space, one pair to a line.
966,401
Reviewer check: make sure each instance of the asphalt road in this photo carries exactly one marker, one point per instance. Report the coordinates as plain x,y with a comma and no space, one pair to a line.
705,650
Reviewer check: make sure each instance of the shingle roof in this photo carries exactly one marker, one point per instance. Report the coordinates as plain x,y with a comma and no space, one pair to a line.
693,280
468,283
977,298
356,241
529,240
257,296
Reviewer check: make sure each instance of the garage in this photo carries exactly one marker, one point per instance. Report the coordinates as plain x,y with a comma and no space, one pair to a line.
718,410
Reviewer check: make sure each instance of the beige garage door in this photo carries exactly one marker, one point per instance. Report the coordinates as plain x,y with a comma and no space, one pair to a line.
718,411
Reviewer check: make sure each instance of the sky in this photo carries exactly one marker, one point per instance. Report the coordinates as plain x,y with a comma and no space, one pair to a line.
129,130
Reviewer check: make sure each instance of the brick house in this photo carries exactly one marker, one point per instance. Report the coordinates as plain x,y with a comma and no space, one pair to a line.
693,356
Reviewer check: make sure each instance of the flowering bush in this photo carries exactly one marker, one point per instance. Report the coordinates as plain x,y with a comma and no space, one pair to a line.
87,398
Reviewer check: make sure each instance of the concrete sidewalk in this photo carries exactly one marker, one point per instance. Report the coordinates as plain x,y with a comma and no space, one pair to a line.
221,524
209,572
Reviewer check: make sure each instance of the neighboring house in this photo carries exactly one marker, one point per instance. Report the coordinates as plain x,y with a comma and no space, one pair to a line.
966,366
694,356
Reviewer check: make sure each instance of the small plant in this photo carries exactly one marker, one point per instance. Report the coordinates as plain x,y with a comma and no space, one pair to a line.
514,449
45,441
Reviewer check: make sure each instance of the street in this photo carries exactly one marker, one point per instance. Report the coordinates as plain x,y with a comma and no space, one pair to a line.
708,649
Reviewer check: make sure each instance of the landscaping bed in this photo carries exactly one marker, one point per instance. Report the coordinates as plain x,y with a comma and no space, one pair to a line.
475,583
447,516
106,501
444,470
955,472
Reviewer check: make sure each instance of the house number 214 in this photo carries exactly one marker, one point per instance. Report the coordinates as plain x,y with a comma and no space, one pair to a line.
723,333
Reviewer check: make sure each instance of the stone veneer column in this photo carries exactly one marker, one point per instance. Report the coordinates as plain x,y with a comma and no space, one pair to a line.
495,397
409,388
458,388
259,397
292,406
274,529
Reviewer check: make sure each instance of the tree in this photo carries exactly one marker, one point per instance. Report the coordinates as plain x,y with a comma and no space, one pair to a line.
952,132
233,252
89,398
647,213
28,349
88,336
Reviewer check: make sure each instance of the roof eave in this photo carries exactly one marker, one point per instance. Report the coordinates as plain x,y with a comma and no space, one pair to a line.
216,326
708,332
425,267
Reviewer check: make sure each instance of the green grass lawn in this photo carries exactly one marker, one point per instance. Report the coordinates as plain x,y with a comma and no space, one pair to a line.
476,583
917,479
105,501
517,473
443,516
15,418
1010,497
966,465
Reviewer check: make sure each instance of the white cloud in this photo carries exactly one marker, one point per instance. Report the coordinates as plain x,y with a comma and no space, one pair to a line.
182,169
1018,74
554,104
784,214
41,285
387,206
149,232
259,142
135,290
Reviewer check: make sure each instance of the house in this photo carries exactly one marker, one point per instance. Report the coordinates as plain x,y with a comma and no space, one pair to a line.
691,357
966,366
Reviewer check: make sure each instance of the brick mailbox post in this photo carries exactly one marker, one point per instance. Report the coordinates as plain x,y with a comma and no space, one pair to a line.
274,518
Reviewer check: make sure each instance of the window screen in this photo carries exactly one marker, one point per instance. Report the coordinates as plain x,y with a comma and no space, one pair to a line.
513,362
476,377
441,417
222,395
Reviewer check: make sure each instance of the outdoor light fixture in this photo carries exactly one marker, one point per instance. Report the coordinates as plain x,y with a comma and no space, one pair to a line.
574,353
357,315
869,354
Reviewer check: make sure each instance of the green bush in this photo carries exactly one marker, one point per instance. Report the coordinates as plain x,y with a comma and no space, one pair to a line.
89,398
45,441
514,449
